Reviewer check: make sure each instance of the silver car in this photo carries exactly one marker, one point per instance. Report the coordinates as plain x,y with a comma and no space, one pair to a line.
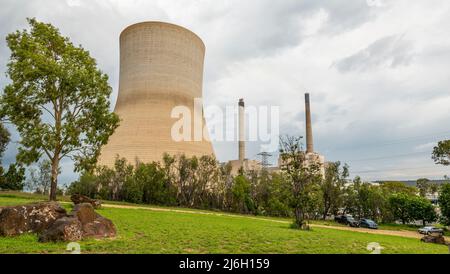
428,230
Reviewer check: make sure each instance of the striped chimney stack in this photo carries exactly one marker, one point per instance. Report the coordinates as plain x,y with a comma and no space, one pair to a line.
241,130
309,135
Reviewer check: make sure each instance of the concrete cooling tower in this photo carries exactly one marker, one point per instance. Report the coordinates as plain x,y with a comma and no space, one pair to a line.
161,67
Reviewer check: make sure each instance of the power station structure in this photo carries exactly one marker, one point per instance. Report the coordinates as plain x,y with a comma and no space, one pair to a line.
309,135
161,67
311,156
243,164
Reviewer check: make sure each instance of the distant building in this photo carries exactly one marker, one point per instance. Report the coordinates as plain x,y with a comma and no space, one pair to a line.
246,165
310,155
242,163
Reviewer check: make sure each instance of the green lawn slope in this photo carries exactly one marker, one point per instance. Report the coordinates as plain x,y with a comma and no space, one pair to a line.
146,231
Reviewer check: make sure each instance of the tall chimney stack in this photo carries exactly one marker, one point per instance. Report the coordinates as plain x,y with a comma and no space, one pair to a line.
309,135
241,130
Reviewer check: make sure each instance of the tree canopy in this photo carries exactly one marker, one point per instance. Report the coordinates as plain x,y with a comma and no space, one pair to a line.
441,153
302,175
444,203
4,140
58,99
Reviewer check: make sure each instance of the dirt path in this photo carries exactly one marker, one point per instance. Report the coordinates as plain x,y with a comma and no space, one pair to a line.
401,233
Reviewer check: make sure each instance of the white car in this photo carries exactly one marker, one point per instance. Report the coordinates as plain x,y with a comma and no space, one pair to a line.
427,230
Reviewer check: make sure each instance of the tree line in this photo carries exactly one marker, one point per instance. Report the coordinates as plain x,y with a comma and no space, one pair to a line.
203,183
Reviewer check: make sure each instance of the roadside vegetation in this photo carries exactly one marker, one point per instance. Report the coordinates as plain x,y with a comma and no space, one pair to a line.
181,182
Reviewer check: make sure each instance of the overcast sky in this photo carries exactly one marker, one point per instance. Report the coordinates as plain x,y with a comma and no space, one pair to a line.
378,71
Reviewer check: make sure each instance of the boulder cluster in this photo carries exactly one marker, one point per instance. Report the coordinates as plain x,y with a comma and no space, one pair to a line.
435,239
52,223
80,199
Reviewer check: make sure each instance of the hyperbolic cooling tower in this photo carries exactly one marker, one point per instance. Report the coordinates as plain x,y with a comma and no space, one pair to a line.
161,67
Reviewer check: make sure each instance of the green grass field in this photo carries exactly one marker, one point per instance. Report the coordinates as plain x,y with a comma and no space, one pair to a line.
146,231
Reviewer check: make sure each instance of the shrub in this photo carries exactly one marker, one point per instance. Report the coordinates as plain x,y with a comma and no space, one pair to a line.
422,209
14,178
444,203
86,185
156,189
132,191
400,206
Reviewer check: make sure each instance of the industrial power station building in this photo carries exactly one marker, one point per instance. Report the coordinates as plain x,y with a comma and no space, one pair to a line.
161,67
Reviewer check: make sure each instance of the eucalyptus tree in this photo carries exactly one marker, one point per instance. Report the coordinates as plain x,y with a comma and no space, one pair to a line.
441,153
58,99
302,175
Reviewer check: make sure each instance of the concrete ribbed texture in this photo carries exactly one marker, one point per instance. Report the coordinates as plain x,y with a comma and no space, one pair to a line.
161,67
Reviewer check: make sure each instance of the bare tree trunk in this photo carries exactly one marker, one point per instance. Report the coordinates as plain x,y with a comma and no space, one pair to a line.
54,183
325,212
300,219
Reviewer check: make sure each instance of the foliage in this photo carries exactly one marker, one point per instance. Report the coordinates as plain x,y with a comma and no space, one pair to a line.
86,185
441,153
58,99
111,181
400,206
175,231
242,201
278,193
398,187
4,140
156,188
14,178
424,186
444,203
203,183
422,209
408,208
332,187
303,177
365,200
40,180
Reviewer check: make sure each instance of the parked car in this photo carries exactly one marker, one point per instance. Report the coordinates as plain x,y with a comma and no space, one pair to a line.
347,220
367,223
428,230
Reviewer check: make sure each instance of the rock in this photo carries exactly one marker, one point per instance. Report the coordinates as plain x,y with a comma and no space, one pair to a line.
65,229
93,224
85,213
35,218
82,222
100,228
79,199
436,239
53,224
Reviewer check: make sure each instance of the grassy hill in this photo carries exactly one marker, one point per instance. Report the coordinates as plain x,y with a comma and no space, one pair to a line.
149,231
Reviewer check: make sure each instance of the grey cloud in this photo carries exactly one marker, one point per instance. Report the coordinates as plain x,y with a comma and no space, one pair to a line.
250,29
391,51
